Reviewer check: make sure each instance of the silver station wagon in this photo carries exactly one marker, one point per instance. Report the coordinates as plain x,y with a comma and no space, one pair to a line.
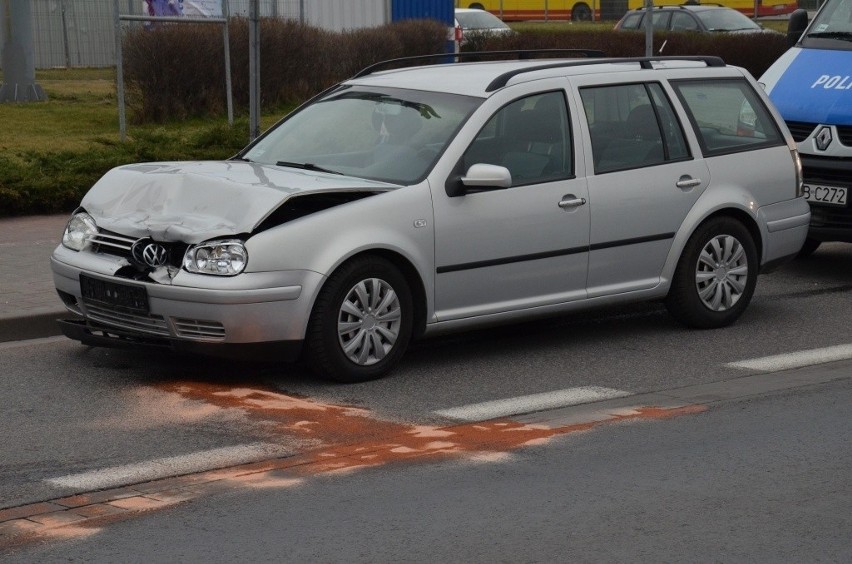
413,201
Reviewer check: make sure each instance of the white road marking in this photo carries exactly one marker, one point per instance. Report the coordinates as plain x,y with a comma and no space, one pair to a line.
796,359
527,404
168,467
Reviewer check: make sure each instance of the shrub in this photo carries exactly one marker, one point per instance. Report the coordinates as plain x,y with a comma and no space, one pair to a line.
34,182
177,71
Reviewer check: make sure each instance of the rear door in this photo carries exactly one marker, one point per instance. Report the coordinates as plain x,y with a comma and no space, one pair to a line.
645,181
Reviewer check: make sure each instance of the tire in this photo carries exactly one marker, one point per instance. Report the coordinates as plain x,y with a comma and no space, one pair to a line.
809,247
476,6
361,323
715,276
581,13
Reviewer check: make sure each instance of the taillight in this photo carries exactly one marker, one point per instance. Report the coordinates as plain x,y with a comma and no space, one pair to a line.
459,34
797,162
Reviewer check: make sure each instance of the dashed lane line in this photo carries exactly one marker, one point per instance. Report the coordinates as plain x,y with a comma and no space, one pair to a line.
526,404
798,359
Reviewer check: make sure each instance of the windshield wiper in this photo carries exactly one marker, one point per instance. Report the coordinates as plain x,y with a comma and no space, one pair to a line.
307,166
841,35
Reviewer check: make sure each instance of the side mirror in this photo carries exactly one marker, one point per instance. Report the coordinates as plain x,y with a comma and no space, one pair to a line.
487,176
796,26
479,178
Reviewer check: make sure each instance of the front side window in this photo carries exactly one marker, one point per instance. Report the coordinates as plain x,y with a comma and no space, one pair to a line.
530,137
632,126
386,134
631,21
728,115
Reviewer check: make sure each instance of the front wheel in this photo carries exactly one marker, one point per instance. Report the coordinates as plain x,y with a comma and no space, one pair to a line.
361,323
716,275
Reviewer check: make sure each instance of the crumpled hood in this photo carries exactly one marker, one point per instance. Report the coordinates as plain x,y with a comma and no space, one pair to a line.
195,201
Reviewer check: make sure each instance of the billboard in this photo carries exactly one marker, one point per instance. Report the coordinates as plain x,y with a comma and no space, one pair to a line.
178,8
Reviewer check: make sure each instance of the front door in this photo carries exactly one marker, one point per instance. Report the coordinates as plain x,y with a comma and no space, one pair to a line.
502,250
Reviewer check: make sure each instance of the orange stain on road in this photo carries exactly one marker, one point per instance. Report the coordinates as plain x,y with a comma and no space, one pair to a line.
346,439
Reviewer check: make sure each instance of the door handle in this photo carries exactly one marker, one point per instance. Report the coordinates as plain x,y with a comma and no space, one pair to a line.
687,181
571,201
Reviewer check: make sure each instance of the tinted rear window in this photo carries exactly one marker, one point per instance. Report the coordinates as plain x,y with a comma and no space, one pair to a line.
728,115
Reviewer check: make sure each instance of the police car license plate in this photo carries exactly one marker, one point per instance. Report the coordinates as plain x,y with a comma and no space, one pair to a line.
827,195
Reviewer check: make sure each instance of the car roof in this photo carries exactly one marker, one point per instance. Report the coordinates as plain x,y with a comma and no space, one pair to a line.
690,7
478,79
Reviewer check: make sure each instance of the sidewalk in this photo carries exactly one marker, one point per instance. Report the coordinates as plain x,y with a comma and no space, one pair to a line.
29,305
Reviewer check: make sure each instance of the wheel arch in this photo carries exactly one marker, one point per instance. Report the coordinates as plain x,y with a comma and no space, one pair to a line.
688,228
412,276
748,222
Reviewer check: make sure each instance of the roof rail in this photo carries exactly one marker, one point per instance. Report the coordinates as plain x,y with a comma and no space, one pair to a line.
644,62
520,54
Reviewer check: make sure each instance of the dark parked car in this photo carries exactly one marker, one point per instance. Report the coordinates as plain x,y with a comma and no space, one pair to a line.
691,18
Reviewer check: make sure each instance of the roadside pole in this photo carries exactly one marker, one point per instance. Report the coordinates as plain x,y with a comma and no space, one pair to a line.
649,28
254,70
17,54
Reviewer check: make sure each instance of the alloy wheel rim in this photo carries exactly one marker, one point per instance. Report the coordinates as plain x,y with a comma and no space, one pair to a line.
722,273
368,322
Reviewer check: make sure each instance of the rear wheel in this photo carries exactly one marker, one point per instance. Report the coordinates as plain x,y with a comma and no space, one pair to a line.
581,13
716,275
361,322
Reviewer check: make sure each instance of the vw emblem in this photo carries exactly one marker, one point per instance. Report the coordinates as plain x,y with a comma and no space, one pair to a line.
147,252
823,138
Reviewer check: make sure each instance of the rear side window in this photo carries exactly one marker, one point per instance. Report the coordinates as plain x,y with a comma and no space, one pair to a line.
632,126
728,116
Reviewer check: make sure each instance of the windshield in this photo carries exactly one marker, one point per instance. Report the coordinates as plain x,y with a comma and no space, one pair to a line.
725,20
479,20
385,134
834,20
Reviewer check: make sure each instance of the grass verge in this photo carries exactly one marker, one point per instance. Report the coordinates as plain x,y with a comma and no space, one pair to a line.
54,151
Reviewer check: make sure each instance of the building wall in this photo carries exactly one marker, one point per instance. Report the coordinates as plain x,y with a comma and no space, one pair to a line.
80,33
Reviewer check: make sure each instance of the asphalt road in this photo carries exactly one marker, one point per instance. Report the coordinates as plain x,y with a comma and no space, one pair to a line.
763,480
79,420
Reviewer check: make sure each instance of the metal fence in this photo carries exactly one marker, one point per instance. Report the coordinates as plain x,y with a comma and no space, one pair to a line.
81,33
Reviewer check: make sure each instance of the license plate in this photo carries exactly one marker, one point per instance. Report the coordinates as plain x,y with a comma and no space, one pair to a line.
121,296
828,195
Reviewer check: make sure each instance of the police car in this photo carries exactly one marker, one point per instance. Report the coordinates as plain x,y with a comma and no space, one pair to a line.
811,85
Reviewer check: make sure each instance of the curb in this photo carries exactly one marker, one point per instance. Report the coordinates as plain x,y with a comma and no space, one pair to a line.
37,326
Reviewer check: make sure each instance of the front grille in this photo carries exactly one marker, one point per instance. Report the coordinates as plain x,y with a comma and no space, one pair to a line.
136,322
845,134
199,329
800,129
831,217
110,243
827,170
